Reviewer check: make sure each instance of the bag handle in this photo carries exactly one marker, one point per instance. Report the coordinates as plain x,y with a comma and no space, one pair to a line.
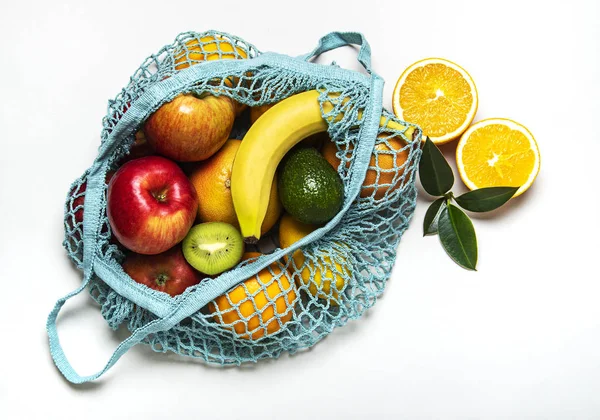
58,354
335,40
56,350
182,306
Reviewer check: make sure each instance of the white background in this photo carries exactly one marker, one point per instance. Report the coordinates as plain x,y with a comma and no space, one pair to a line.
519,339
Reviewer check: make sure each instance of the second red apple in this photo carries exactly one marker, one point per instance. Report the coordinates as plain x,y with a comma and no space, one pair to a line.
168,272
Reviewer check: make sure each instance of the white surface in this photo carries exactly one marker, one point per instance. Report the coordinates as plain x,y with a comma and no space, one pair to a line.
518,339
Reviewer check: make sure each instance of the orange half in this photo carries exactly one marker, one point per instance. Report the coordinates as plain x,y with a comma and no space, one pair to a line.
437,95
498,152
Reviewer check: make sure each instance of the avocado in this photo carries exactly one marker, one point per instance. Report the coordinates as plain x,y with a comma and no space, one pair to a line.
309,188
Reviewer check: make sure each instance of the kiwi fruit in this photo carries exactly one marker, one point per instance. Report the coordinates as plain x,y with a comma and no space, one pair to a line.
213,247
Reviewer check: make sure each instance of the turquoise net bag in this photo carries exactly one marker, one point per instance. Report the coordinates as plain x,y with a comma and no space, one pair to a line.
288,298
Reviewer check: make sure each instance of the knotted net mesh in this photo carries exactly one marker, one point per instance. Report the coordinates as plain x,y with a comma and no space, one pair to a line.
294,302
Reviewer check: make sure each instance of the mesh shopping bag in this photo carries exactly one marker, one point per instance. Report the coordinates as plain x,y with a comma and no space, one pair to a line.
289,298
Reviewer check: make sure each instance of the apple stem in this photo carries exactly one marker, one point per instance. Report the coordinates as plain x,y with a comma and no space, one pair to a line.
161,196
199,95
161,279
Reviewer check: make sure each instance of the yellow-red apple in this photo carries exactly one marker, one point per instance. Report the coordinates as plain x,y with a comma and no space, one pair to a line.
190,127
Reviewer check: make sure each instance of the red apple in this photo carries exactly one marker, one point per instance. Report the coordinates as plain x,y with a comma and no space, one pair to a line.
151,205
190,127
168,272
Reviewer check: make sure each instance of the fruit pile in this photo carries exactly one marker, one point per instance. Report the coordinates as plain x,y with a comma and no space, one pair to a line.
186,211
182,228
240,163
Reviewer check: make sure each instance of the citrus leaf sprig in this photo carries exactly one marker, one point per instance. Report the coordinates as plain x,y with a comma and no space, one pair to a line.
449,222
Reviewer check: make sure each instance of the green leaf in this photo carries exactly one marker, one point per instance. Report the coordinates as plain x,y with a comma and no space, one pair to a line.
486,199
431,217
458,236
435,173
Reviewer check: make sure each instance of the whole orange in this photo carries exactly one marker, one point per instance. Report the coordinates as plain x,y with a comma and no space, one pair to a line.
261,297
387,160
212,180
207,48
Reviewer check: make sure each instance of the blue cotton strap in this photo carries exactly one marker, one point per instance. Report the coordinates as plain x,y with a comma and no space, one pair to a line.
335,40
58,354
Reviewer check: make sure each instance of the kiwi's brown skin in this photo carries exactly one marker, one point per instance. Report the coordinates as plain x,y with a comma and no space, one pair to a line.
213,247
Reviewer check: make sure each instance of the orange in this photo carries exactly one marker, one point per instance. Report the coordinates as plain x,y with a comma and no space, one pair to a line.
437,95
329,152
261,297
498,152
388,158
207,48
212,180
210,48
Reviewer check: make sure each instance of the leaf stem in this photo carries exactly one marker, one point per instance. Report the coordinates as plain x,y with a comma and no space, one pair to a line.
449,196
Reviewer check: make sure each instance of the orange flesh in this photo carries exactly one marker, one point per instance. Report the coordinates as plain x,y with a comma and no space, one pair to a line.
495,155
437,98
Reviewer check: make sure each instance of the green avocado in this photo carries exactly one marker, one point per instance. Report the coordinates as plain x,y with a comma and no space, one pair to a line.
309,188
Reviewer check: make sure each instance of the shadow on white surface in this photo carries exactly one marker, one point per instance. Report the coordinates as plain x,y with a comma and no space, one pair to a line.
508,209
335,342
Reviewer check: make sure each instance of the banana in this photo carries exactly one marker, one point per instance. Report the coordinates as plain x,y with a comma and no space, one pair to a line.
278,130
263,147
